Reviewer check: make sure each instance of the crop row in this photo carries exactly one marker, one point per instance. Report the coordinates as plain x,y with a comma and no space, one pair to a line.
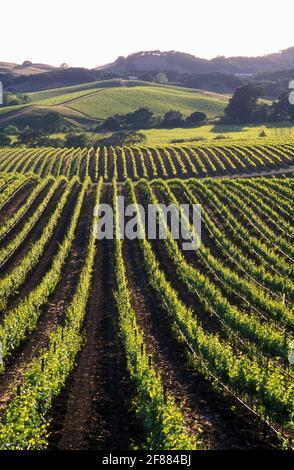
149,162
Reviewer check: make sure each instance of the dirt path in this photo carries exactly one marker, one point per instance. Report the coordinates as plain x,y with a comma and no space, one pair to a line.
279,171
13,204
93,410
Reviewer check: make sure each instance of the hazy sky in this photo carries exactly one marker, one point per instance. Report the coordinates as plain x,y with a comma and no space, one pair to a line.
93,32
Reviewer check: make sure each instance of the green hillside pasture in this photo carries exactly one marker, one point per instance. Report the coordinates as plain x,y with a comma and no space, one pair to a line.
66,98
85,87
29,115
210,132
110,101
115,83
91,105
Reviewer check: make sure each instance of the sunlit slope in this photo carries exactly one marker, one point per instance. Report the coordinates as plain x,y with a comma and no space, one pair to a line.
119,100
99,100
84,87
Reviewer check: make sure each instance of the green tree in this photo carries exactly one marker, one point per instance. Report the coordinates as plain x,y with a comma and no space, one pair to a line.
10,99
123,138
282,110
52,122
11,130
113,123
33,138
24,99
243,104
261,113
76,140
161,78
5,140
173,119
196,118
142,118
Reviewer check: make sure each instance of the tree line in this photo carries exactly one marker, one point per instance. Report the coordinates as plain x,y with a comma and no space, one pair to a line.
144,118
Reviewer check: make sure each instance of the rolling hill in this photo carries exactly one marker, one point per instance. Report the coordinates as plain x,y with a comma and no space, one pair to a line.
24,70
186,63
221,74
91,103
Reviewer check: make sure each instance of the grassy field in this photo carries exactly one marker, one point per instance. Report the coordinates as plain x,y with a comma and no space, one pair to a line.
114,83
210,132
110,101
157,136
51,93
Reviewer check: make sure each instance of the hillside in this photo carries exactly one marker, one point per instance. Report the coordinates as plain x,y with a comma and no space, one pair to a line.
24,70
120,100
91,103
221,74
187,63
52,79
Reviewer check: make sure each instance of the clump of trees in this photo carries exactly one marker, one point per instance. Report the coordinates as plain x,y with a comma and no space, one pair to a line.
11,130
5,140
123,138
116,139
52,122
5,135
283,110
173,119
37,136
246,107
27,136
11,99
144,118
27,63
33,138
76,140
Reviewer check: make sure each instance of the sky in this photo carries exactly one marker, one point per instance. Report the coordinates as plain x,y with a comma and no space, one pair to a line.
89,33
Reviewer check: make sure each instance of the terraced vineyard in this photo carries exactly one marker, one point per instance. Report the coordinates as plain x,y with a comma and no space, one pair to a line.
116,344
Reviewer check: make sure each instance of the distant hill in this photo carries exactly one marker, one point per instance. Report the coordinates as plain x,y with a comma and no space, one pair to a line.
220,75
53,78
25,69
276,75
186,63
